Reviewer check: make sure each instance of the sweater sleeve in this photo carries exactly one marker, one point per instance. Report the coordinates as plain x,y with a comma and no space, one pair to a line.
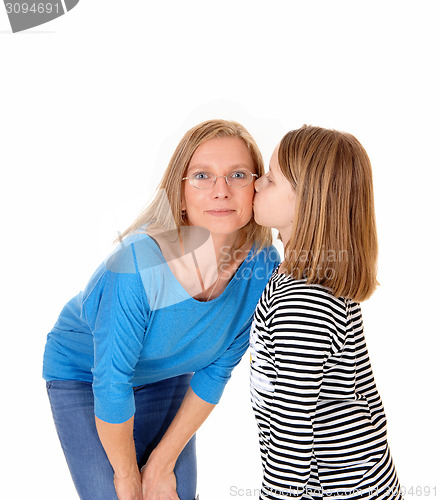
209,383
117,315
301,344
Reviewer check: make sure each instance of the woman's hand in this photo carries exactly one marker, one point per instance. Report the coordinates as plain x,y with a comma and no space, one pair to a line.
158,481
128,487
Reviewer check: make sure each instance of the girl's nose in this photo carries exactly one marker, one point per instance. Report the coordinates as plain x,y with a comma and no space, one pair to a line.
257,184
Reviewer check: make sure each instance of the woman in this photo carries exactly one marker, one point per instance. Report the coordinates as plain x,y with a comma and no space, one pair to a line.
321,421
175,297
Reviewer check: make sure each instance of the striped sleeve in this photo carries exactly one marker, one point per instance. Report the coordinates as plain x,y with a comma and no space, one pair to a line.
300,331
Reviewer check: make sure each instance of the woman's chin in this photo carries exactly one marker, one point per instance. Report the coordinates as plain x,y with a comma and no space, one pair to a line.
222,227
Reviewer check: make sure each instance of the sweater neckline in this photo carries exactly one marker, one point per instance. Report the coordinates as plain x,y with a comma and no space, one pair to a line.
233,281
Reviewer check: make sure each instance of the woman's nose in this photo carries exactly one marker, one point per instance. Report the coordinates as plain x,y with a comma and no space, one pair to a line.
221,188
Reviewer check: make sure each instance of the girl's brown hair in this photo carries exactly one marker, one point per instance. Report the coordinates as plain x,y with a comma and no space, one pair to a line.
334,239
165,211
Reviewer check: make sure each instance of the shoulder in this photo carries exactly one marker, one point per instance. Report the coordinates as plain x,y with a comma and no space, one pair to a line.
123,263
267,257
258,267
136,252
266,254
287,295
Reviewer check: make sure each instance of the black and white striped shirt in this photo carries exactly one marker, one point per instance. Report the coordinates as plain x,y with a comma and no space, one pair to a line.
321,421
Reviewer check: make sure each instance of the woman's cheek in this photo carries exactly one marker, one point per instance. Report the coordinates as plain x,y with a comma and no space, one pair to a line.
250,205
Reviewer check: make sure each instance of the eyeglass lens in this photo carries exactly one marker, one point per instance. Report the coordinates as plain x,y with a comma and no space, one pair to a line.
205,180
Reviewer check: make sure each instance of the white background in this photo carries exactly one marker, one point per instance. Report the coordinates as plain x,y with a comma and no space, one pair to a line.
91,108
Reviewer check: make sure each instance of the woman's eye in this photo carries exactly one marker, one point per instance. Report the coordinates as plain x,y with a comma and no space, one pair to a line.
200,176
238,175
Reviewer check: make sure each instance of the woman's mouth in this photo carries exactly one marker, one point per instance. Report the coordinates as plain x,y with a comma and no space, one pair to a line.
221,212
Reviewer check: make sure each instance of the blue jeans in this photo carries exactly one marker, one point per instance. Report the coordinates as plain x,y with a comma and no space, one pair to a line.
156,404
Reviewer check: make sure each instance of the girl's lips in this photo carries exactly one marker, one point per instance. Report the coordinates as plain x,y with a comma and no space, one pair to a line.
220,213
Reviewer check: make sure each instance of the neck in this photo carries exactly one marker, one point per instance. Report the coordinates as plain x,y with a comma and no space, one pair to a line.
285,236
225,244
229,254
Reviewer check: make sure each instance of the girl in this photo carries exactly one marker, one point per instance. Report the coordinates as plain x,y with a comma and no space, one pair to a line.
321,421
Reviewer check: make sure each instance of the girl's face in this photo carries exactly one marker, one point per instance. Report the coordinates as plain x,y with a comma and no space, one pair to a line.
274,202
222,209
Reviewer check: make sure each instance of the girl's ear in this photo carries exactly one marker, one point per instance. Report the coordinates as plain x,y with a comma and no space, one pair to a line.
183,204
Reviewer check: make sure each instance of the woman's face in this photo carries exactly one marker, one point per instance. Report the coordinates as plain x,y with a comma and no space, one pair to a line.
274,202
222,209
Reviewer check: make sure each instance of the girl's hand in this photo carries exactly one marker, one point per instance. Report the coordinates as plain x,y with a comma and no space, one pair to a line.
129,487
158,482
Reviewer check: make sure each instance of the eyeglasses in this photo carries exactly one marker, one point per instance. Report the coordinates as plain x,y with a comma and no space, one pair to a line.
206,180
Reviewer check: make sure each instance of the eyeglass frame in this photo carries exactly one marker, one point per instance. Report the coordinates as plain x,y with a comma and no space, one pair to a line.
226,179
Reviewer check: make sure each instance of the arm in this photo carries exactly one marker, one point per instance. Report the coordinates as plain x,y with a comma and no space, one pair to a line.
117,440
158,480
116,312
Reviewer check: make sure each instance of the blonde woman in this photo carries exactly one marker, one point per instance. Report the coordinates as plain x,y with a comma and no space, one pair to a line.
321,421
137,361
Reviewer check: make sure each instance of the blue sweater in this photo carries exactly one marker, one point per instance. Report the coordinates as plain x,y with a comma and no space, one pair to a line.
135,324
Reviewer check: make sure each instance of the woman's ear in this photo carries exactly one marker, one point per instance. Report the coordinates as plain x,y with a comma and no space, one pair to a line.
183,204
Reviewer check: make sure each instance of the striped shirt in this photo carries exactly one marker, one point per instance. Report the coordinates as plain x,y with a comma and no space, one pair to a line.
321,422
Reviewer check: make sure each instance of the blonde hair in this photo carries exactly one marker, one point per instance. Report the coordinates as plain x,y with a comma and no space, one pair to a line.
334,239
165,211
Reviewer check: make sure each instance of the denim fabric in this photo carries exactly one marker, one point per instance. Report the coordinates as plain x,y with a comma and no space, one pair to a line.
72,406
